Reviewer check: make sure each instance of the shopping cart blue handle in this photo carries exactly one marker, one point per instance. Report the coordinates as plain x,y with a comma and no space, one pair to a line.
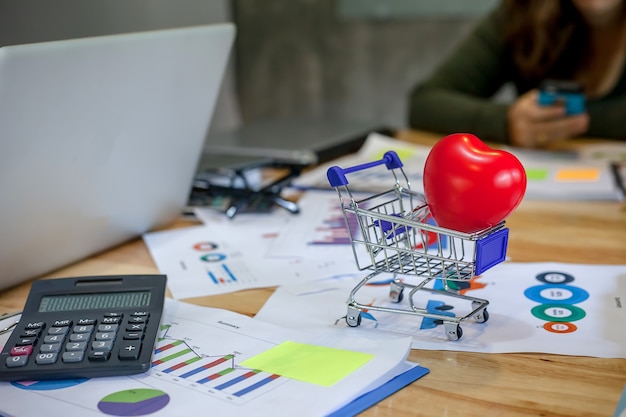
337,175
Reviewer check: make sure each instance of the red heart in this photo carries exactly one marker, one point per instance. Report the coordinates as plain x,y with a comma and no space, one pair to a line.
470,186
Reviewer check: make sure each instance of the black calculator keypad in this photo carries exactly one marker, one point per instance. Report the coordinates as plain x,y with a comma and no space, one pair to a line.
85,327
92,339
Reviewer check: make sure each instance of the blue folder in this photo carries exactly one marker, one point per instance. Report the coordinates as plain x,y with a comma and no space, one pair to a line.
369,399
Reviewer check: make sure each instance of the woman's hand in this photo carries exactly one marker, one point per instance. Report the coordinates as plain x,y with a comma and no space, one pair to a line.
533,126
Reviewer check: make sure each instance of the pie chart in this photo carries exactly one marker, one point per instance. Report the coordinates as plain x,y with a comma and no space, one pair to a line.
48,385
134,402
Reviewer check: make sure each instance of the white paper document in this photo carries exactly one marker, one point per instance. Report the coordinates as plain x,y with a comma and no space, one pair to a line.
558,308
552,175
564,175
220,258
412,156
319,231
197,370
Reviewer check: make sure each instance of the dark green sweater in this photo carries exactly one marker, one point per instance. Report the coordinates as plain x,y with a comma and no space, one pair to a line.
457,97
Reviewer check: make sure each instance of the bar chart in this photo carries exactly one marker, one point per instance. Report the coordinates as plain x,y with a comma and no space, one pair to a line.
180,362
333,229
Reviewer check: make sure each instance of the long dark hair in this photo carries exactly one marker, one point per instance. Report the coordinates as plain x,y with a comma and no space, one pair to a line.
546,38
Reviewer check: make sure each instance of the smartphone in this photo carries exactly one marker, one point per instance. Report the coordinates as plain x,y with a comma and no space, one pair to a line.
569,93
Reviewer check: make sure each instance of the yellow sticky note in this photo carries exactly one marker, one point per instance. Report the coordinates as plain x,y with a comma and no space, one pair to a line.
318,365
403,154
578,174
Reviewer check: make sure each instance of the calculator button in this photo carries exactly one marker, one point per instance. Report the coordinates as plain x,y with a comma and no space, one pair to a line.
31,333
99,355
130,350
138,319
74,356
83,329
58,330
111,320
113,314
35,325
16,361
62,323
140,313
135,327
79,337
50,347
102,345
105,336
132,336
85,322
107,328
26,341
46,358
21,350
54,338
72,346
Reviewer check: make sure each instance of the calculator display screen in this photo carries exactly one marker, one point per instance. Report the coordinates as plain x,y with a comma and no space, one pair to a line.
92,301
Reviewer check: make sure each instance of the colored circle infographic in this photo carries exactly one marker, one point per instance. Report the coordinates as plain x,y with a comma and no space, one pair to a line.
556,327
555,278
213,257
205,246
134,402
565,294
558,312
556,300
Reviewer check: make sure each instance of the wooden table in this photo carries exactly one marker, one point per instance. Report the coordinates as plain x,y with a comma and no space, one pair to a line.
465,384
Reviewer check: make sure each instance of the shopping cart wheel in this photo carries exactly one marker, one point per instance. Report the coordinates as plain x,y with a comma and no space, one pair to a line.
396,292
353,318
453,330
482,315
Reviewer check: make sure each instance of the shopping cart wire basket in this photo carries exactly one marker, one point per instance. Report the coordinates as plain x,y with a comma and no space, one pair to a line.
393,232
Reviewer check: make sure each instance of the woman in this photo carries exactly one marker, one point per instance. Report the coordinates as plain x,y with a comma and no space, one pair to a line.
525,43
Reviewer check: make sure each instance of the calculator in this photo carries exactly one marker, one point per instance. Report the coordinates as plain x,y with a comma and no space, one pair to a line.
85,327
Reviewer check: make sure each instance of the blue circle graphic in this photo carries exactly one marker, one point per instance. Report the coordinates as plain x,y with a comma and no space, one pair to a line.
536,293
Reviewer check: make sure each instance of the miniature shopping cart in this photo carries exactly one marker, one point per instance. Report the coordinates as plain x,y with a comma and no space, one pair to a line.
393,232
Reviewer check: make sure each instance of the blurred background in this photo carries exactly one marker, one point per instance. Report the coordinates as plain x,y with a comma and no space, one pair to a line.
346,59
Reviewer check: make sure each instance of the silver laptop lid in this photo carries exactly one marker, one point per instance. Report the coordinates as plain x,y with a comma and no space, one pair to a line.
99,140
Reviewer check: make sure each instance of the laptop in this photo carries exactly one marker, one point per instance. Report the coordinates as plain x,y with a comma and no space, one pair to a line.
296,141
100,139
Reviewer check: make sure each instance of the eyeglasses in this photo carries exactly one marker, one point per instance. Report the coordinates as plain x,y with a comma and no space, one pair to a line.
14,322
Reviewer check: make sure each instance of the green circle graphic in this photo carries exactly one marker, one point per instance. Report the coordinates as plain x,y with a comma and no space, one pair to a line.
576,313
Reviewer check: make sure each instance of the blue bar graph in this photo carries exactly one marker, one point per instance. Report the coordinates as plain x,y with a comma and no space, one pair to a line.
256,385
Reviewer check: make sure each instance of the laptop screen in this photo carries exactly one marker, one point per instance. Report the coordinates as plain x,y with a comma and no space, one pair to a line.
100,139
